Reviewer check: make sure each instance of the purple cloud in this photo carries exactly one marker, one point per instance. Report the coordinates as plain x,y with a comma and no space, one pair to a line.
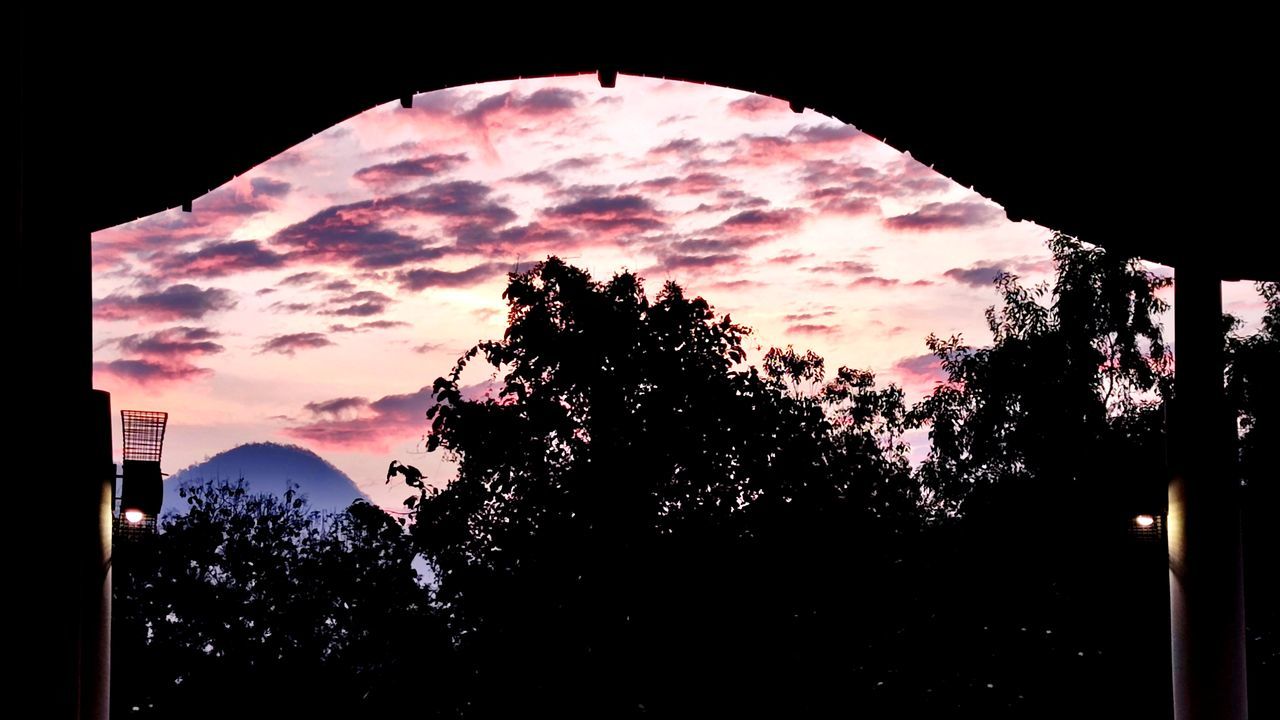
356,423
609,214
269,187
813,329
757,106
179,341
366,326
221,258
177,302
943,216
303,278
337,406
150,372
422,278
388,174
976,276
360,304
844,267
289,344
355,233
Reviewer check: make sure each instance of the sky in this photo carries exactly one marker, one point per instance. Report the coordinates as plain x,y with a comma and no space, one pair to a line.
314,299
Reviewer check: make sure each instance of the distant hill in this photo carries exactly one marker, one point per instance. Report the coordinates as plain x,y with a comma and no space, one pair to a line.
266,468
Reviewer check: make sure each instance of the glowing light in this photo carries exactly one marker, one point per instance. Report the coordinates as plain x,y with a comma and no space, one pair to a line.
133,516
1144,521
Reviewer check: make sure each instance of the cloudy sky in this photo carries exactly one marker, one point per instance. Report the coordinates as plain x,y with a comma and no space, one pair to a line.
314,299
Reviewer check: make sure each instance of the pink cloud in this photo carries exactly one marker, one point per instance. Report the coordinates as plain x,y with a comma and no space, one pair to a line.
160,357
920,373
386,175
215,215
813,329
145,372
874,281
755,107
355,423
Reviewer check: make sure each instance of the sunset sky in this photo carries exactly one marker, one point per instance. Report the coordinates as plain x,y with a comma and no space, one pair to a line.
314,299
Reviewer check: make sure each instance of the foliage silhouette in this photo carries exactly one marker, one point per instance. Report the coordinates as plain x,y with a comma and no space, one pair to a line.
253,605
1253,390
642,523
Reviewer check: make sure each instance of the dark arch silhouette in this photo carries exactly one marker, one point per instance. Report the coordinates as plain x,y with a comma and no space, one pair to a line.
1082,134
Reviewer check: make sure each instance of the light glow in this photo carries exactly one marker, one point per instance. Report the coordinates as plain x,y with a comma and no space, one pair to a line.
133,516
1144,521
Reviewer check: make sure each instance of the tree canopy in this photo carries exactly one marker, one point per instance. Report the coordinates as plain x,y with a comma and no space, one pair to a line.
644,521
649,515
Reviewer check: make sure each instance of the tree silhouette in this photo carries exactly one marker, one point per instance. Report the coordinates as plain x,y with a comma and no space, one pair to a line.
1045,444
253,605
1253,389
641,522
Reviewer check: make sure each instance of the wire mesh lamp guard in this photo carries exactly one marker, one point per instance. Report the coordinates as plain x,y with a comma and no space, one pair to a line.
142,489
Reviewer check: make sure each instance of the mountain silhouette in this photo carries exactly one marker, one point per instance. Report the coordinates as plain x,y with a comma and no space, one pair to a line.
267,468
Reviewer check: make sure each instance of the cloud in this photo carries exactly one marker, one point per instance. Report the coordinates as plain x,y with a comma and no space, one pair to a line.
608,214
303,278
544,102
215,215
293,307
681,146
698,183
291,343
524,237
386,175
976,276
219,259
367,326
920,372
802,316
358,233
947,216
852,205
447,110
540,177
765,220
422,278
178,341
758,106
337,406
177,302
788,258
269,187
874,280
898,179
339,286
802,144
825,133
149,372
684,261
360,304
813,329
849,267
355,423
160,357
583,162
